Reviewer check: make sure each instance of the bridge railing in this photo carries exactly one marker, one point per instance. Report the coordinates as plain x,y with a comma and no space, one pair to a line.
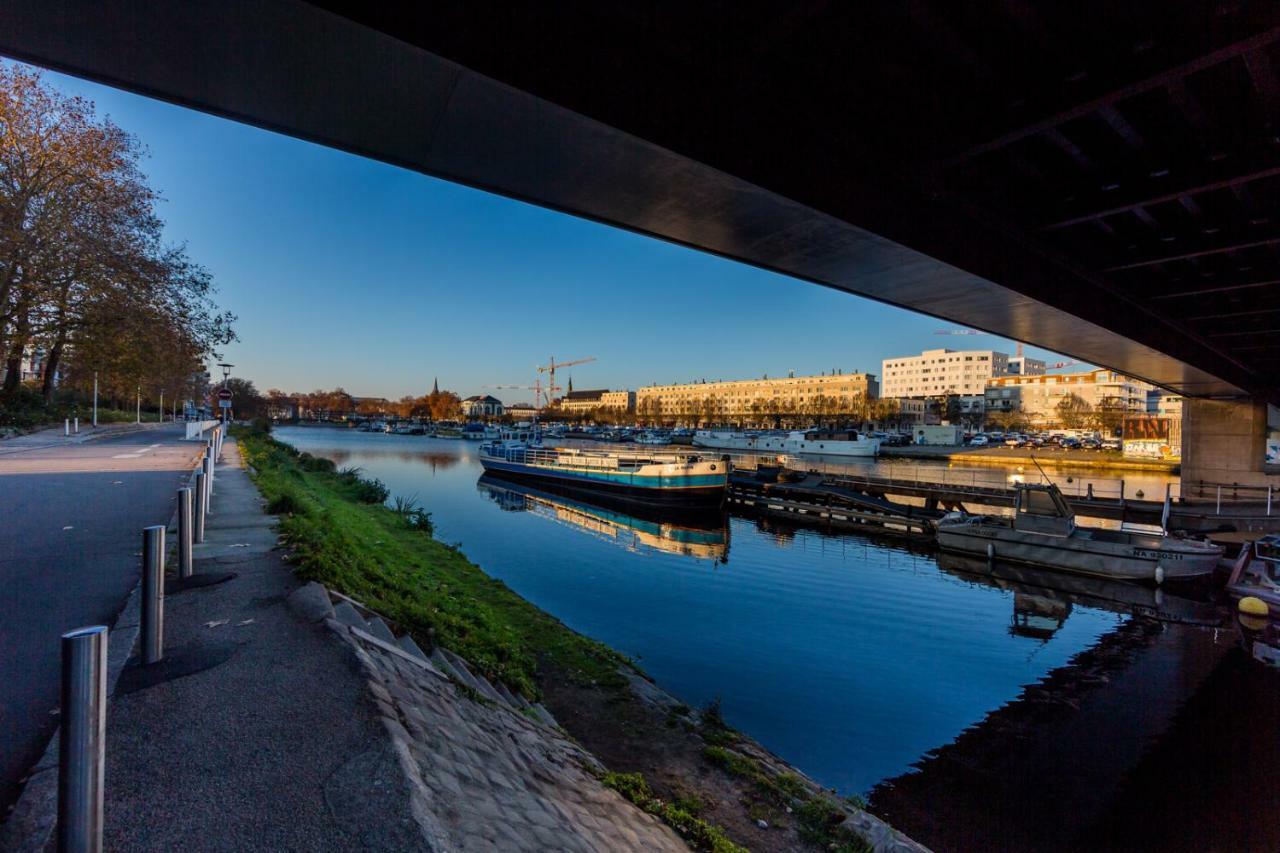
1231,497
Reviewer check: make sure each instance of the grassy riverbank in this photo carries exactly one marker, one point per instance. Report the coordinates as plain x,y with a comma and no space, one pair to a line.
721,791
343,537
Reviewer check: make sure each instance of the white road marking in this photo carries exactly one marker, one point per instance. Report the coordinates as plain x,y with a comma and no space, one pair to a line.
137,454
69,527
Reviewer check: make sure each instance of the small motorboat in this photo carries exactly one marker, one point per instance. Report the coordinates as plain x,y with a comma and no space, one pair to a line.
1043,532
1256,572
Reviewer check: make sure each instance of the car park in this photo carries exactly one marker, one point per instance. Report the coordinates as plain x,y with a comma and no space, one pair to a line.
1090,444
978,441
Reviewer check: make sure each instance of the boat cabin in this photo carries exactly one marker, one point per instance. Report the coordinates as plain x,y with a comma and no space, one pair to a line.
1043,509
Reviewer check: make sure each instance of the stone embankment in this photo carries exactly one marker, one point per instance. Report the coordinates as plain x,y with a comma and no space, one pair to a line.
1006,456
487,769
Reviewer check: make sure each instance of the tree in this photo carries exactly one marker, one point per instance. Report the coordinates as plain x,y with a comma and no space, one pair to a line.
1073,412
84,276
1109,415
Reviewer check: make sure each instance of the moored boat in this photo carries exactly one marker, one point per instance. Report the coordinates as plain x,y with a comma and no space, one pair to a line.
1043,532
654,478
826,442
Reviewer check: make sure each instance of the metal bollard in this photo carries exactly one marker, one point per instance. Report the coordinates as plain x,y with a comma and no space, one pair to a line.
201,499
185,532
82,739
152,594
66,426
206,467
75,426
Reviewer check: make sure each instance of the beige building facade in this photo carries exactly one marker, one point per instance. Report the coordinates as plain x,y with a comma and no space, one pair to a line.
753,399
942,372
1037,397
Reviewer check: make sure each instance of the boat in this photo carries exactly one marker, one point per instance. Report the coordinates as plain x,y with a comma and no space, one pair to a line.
653,438
703,535
825,442
473,432
1256,572
1043,532
668,479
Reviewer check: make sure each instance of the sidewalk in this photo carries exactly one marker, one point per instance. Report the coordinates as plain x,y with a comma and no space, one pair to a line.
54,436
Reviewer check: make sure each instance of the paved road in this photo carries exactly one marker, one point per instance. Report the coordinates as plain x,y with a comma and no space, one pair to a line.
70,535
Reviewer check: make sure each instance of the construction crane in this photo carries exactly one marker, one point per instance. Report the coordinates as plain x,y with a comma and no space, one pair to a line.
552,366
537,388
1058,364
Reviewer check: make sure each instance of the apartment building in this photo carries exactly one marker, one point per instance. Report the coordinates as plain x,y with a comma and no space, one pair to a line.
747,399
1037,397
943,372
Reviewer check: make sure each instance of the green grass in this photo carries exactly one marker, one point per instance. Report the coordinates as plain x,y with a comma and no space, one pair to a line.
344,537
680,815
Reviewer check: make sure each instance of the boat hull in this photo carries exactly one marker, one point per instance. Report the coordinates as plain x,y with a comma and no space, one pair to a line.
1081,555
707,491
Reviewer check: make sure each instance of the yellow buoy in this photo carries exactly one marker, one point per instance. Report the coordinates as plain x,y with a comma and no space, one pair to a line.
1251,606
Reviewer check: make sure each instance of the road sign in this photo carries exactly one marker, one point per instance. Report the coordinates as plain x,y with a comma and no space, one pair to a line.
224,394
224,404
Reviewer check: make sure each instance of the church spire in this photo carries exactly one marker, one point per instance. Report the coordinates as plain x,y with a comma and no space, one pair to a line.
435,385
570,384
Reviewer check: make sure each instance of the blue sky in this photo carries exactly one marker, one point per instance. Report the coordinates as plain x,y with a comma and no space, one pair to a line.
345,271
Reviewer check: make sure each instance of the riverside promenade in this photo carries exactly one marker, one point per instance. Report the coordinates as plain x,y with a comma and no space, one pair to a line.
309,730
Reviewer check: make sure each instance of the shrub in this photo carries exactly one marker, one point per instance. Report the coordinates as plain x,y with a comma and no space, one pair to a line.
285,503
261,423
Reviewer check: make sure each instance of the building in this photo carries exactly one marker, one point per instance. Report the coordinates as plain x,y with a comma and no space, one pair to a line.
1164,404
521,411
1021,365
829,394
1037,398
911,411
941,372
482,407
582,402
623,401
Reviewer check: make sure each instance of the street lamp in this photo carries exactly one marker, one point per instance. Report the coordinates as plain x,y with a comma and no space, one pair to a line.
226,374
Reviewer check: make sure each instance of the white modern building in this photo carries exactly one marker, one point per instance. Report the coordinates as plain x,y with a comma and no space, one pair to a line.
943,372
482,407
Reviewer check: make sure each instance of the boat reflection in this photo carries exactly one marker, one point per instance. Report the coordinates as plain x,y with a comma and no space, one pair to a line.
1043,599
702,535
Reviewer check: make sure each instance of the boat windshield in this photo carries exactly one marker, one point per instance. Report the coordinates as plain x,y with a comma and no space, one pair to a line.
1039,503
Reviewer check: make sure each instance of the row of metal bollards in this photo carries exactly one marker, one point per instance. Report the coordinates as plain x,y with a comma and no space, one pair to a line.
82,736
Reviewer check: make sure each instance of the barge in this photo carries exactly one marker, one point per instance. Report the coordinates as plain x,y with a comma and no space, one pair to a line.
658,479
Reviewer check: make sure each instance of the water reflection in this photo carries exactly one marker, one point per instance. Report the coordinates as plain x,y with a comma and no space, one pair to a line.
689,534
1043,599
1009,708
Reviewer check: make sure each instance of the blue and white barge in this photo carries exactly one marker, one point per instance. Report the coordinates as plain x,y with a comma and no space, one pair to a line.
670,479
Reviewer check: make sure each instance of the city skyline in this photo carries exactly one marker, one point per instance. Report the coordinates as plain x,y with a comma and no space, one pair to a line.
348,272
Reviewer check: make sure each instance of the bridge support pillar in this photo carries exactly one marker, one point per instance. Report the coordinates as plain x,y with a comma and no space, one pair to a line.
1225,441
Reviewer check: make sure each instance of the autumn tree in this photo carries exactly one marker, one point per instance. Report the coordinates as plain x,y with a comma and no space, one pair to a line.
84,276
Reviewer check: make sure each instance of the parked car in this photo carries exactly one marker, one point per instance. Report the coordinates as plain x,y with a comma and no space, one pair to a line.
1069,443
1090,444
978,441
1112,444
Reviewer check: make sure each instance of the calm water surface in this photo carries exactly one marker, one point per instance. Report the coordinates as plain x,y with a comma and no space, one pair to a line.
862,661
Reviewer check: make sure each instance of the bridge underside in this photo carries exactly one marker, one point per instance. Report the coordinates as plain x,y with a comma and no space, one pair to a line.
1097,178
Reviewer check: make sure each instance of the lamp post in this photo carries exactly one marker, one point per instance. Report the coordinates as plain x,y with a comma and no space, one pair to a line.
95,399
138,414
226,373
161,413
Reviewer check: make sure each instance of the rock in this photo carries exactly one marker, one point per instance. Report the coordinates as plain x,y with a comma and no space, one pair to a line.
762,823
348,615
379,629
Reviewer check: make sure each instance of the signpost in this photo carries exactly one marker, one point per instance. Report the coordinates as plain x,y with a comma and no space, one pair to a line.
224,398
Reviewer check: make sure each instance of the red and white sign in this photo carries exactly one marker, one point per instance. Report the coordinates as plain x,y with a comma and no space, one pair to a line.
224,393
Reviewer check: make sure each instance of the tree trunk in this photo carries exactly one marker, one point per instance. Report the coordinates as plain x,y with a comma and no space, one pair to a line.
51,367
13,363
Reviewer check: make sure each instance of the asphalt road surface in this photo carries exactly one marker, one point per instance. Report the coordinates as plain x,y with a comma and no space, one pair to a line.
71,522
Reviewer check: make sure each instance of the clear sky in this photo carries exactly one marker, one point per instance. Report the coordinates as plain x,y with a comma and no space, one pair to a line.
345,271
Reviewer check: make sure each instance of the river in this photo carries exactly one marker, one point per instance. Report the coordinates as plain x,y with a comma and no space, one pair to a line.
872,664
